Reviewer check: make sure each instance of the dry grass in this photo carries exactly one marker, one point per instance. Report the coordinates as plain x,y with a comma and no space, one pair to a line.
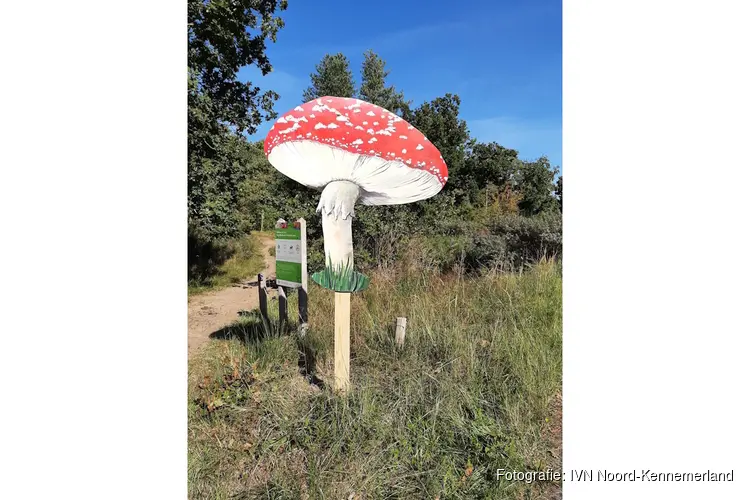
473,390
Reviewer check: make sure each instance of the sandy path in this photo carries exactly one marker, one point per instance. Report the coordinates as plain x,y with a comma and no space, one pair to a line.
209,312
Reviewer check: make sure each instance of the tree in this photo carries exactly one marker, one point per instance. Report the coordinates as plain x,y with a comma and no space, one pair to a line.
373,87
558,191
223,36
490,164
537,187
438,120
332,77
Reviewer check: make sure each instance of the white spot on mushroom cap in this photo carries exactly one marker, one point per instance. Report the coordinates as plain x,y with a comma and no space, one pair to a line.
357,142
319,126
359,128
290,129
281,120
370,113
420,147
372,140
332,125
370,131
402,137
375,123
322,107
298,108
403,151
342,118
290,118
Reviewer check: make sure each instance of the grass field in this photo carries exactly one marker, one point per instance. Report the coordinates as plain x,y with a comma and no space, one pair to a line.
474,389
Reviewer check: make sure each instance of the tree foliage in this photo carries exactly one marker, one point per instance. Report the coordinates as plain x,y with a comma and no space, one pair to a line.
537,187
439,121
332,77
224,36
490,165
374,88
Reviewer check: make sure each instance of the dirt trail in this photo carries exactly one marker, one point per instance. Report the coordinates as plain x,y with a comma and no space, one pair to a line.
211,311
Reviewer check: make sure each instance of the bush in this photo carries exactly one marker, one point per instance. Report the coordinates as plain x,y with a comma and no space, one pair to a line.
205,256
221,262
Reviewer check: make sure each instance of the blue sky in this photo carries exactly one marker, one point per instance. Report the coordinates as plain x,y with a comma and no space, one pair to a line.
503,58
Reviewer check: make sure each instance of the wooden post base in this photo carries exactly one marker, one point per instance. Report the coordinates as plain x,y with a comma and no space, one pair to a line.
342,306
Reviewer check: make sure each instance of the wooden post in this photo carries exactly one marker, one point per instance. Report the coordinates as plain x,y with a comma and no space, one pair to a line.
302,297
263,302
400,331
282,309
341,342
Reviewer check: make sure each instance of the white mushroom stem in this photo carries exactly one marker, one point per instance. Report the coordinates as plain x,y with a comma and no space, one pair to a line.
337,208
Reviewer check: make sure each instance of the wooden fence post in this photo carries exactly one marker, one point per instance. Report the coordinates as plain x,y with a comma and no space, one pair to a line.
400,331
263,302
282,309
302,291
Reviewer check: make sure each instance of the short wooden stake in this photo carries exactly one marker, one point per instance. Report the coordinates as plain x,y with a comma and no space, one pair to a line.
400,331
341,342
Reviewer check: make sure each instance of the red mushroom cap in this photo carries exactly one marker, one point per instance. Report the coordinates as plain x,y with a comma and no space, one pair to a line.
336,138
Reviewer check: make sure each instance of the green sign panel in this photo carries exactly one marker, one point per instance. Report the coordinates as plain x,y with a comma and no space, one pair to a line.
289,256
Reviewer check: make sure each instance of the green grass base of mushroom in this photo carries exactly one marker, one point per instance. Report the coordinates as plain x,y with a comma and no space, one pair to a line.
341,279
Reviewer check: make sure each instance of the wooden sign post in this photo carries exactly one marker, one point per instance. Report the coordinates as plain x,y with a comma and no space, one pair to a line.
302,290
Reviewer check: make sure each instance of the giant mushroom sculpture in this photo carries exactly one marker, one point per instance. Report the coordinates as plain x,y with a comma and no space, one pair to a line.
352,151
